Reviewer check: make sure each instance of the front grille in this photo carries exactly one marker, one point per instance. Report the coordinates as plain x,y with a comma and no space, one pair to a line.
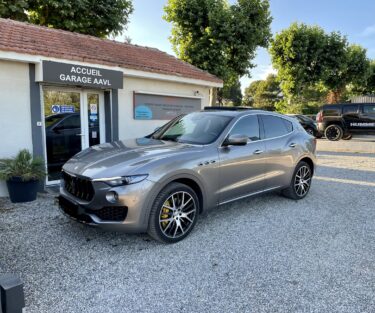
79,187
115,214
71,209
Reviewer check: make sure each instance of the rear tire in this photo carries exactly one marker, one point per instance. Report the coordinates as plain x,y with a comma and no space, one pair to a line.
334,132
174,213
301,181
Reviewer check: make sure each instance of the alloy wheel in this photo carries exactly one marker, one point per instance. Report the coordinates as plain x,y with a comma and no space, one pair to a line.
177,214
302,181
333,133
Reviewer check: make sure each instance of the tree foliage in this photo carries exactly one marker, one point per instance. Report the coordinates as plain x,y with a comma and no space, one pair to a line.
263,94
232,94
218,37
306,56
93,17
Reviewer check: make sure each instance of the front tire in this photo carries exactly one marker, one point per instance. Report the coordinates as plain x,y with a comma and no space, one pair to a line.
334,132
310,131
174,213
301,181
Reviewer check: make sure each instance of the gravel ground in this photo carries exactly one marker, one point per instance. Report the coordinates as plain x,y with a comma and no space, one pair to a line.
264,254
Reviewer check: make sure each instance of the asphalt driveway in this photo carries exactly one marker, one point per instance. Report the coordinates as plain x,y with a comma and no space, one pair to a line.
264,254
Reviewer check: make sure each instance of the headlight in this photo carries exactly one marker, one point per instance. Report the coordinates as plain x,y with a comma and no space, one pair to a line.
122,180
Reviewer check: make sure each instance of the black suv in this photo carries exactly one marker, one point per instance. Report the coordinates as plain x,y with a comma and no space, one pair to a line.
340,121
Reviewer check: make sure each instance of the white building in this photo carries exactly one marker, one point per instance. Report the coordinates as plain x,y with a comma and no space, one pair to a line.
61,92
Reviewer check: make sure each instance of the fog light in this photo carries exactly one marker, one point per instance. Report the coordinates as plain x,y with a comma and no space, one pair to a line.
111,196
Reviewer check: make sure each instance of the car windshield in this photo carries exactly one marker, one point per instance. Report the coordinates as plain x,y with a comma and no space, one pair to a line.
195,128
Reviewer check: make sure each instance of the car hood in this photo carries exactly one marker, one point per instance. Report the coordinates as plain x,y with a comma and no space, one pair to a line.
121,158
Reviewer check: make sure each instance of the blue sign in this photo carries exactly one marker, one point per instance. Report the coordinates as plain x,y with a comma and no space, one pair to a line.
55,109
143,112
67,108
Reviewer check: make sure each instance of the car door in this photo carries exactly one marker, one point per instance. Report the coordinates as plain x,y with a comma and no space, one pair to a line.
367,120
242,167
350,116
281,150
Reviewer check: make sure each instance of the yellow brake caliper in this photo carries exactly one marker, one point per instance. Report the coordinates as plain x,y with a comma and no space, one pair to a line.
164,214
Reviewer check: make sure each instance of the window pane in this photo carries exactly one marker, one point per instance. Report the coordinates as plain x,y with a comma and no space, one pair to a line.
347,109
247,126
332,110
93,116
62,128
275,126
369,109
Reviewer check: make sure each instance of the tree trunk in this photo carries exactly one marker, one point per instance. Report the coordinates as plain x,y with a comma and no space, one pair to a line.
213,98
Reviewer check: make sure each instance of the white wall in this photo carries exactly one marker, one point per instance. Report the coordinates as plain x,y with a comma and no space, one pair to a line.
15,116
131,128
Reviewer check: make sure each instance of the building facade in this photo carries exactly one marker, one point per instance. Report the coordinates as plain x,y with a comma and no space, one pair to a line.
61,92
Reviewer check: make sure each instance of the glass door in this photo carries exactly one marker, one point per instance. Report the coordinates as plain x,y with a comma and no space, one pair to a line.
72,121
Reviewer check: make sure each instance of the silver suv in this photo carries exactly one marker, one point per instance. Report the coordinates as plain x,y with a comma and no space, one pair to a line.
161,183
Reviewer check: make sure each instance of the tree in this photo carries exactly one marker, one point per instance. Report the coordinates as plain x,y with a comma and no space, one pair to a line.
93,17
306,56
218,37
232,94
263,94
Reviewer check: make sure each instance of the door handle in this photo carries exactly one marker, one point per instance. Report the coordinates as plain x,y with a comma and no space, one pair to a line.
293,145
258,151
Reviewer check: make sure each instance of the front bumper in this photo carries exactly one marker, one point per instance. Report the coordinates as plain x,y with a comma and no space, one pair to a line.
128,214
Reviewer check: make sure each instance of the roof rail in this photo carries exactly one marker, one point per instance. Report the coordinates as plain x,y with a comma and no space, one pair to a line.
225,108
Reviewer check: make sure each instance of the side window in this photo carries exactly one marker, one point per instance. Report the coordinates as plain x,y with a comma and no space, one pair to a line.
350,109
331,110
248,126
369,109
276,126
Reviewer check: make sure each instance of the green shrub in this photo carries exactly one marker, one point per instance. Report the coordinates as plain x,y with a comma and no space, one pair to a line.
23,165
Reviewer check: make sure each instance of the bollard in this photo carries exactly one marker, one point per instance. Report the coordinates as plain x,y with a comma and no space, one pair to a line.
11,294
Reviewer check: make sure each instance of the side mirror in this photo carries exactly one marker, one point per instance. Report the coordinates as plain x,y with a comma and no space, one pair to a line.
236,140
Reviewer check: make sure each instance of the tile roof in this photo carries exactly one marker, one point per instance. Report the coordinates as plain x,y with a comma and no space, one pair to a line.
48,42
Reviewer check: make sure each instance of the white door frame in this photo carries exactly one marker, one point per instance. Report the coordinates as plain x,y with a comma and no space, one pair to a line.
84,118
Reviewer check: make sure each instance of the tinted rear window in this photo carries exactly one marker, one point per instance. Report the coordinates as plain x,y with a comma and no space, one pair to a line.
332,110
276,126
369,109
348,109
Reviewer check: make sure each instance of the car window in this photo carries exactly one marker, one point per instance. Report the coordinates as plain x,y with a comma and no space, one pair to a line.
73,121
195,128
350,109
276,126
248,126
369,109
332,110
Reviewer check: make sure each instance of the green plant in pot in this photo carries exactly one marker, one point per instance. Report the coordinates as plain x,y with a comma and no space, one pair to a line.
22,174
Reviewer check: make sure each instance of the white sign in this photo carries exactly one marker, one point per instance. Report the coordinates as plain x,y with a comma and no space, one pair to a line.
93,108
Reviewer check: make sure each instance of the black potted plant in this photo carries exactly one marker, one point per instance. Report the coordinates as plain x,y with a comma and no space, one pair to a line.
22,175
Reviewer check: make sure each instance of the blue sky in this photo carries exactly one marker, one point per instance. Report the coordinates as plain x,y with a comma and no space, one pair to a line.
356,19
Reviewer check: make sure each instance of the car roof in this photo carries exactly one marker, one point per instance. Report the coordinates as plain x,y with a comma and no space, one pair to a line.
242,112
